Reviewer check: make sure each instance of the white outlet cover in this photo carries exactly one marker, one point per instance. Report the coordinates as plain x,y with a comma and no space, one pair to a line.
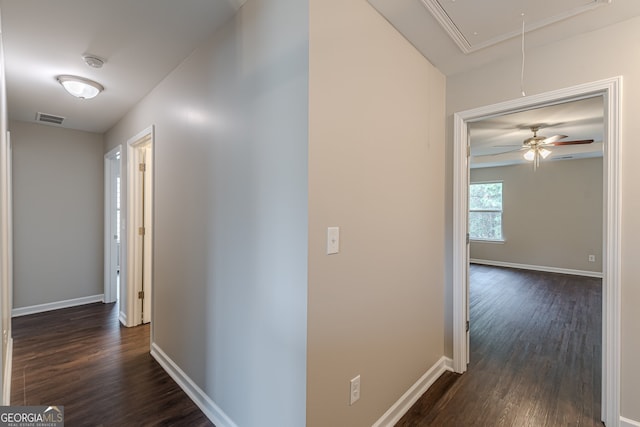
354,390
333,240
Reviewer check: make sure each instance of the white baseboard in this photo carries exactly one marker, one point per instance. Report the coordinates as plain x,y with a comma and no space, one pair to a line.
199,397
402,406
8,367
40,308
625,422
585,273
123,318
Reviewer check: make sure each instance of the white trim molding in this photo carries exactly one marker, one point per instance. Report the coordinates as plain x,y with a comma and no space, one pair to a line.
56,305
195,393
411,396
626,422
132,265
585,273
109,197
122,317
452,29
8,368
611,91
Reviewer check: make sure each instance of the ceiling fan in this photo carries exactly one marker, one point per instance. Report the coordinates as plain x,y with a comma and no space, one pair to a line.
537,146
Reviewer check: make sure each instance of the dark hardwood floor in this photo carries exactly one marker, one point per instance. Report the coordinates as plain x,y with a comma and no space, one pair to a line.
102,373
535,355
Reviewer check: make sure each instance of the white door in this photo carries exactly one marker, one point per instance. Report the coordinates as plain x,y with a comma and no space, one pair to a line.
140,235
145,171
112,166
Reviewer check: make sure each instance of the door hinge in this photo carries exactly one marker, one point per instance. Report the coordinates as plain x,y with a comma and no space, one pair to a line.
468,151
468,238
141,296
141,231
467,326
142,167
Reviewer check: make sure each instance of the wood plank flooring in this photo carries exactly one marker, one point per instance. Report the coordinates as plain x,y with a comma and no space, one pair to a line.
535,355
101,372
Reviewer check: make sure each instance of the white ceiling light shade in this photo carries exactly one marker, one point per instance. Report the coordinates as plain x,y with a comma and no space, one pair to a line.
534,153
80,87
544,152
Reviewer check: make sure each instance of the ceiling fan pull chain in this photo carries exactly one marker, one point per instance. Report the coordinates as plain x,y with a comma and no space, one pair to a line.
522,69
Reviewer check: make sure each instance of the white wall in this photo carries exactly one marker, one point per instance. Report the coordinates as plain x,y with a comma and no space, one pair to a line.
376,170
58,214
551,217
230,238
593,56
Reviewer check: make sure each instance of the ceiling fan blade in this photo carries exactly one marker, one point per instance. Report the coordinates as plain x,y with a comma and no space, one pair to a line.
580,141
553,139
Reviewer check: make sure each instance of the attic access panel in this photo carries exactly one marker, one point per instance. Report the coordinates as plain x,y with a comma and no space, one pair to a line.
474,25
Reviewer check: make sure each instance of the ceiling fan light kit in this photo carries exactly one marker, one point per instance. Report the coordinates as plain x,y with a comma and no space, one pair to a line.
533,152
536,146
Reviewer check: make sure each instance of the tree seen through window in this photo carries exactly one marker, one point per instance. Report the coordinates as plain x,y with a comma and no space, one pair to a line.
485,211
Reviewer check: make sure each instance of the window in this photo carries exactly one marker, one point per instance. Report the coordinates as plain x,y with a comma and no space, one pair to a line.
485,211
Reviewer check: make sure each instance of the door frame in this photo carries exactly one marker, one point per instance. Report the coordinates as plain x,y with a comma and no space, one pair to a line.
110,292
6,265
611,91
134,212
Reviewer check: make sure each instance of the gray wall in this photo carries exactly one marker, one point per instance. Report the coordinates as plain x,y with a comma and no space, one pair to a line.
230,238
551,217
260,145
589,57
58,214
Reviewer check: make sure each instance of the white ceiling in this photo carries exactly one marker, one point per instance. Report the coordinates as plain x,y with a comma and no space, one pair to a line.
498,24
140,40
143,40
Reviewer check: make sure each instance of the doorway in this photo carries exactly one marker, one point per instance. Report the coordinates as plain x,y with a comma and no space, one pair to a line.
140,228
609,90
112,224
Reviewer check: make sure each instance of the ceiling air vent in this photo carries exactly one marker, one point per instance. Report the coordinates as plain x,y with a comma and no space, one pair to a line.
49,118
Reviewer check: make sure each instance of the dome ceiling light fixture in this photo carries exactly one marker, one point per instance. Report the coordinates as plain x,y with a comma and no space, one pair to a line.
80,87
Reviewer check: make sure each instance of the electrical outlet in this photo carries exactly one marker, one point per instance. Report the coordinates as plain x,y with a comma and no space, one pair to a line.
354,394
592,258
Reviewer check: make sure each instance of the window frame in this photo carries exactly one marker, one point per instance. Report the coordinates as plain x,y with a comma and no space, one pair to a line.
501,211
